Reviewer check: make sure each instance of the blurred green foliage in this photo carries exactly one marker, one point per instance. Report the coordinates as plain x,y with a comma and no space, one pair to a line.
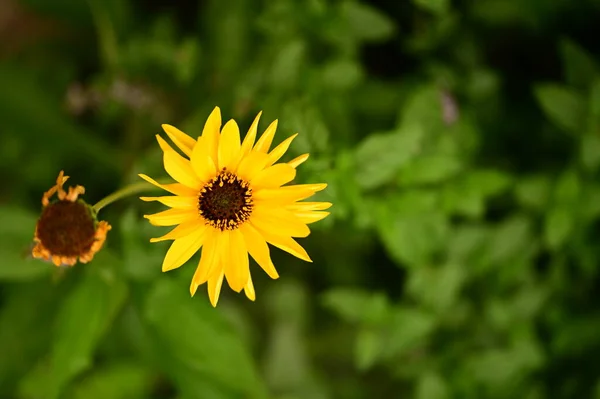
461,144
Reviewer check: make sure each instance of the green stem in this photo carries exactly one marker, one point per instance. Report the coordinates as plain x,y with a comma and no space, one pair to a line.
106,34
126,191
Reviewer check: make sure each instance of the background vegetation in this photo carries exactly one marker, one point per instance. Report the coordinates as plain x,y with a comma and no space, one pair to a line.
461,144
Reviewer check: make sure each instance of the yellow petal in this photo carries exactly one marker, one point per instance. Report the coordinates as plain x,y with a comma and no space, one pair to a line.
249,289
229,145
202,163
250,136
253,163
175,201
278,222
209,261
298,160
211,132
181,170
287,194
286,244
273,176
258,249
183,248
264,142
281,149
179,231
309,206
193,286
171,217
184,142
174,188
164,146
237,270
311,217
178,167
214,288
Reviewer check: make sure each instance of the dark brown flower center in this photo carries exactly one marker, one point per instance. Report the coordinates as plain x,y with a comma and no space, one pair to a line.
66,228
226,201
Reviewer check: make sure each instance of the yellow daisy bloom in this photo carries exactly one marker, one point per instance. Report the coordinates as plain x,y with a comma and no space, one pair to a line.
230,199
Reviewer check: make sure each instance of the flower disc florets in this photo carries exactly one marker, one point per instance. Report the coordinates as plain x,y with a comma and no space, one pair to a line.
67,229
226,201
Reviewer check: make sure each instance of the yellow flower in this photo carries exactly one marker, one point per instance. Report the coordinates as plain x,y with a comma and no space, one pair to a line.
230,199
67,229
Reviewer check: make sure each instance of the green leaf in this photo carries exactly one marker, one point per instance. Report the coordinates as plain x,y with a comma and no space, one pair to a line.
483,84
301,116
429,169
365,22
466,241
286,303
199,349
529,301
84,317
341,74
378,99
115,381
431,386
580,68
187,63
509,239
38,381
562,105
347,197
409,329
590,151
380,156
590,203
524,304
411,227
458,200
141,261
576,335
423,108
368,348
287,65
567,189
17,230
468,194
285,364
487,182
23,338
533,191
437,287
438,7
356,305
502,13
595,103
106,32
559,224
502,370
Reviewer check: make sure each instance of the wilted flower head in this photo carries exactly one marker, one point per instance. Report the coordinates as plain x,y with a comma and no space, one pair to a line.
67,229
